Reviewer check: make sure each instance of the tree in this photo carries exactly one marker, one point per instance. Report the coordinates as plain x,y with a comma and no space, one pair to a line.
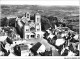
53,19
44,23
4,21
12,22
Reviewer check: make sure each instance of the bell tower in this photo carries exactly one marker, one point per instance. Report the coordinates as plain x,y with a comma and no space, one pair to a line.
26,26
27,15
38,24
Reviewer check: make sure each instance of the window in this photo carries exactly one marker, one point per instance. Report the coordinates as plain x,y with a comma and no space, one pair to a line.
27,29
27,36
37,23
32,29
38,29
38,20
27,15
33,36
38,36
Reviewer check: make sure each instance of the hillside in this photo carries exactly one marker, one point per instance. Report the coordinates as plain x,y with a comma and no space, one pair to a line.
65,13
59,11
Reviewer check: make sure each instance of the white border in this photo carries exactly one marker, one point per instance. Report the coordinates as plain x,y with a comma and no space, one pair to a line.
41,2
44,3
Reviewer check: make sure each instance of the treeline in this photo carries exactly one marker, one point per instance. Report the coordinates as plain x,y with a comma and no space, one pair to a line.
46,22
8,22
50,21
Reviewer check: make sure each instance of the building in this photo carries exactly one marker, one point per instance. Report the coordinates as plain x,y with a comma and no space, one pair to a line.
31,28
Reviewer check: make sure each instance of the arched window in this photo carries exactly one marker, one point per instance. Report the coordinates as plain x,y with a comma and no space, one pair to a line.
33,36
38,36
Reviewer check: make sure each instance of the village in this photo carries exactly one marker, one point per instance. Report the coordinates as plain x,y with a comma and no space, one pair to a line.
57,41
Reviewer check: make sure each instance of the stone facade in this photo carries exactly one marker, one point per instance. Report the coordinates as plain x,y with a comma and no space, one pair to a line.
31,28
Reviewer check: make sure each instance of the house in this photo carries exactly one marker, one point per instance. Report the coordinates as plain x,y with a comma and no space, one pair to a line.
38,48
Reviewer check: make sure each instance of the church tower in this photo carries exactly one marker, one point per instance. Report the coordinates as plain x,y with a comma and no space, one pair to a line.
27,15
26,26
26,31
38,25
32,29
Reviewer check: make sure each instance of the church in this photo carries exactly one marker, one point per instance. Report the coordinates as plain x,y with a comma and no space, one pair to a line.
31,28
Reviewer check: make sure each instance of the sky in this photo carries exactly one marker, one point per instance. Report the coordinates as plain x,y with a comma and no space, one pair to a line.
41,2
